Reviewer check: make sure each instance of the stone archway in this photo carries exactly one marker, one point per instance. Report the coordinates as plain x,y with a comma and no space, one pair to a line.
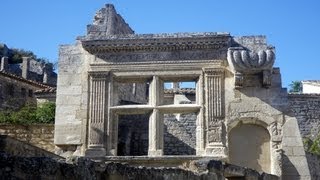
249,146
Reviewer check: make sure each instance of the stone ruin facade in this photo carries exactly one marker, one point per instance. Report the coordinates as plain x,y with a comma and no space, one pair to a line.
113,99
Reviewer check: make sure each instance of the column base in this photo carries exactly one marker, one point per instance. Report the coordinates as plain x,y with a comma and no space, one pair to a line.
218,151
112,152
155,152
95,152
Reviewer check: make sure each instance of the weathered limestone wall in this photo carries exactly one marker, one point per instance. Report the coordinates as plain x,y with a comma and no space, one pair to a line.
108,22
72,96
306,108
180,134
37,135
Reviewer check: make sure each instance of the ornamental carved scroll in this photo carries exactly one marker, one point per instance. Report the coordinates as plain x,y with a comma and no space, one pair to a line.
243,61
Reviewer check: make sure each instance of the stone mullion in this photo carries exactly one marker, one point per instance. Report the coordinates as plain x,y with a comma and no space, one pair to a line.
200,133
97,115
156,119
112,125
214,116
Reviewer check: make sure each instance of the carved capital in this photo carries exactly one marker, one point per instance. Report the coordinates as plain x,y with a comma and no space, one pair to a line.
213,71
243,61
97,75
250,62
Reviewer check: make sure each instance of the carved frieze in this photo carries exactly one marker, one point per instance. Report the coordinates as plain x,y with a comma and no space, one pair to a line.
158,47
154,57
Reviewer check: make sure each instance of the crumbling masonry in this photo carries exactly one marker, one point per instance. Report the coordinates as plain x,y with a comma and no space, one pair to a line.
113,98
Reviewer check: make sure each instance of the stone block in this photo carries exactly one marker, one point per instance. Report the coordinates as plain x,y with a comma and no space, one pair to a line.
292,141
298,151
69,133
69,90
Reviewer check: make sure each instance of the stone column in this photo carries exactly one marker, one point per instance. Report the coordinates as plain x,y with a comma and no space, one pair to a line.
112,124
25,67
46,73
156,118
4,64
98,93
200,129
214,112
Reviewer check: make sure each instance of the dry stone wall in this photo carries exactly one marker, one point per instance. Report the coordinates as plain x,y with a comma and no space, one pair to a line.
180,134
37,135
306,108
14,167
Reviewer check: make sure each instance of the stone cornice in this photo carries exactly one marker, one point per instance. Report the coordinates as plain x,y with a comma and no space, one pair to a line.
155,42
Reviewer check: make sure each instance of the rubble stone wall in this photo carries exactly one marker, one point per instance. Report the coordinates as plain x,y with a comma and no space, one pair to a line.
15,167
314,165
180,134
39,135
306,108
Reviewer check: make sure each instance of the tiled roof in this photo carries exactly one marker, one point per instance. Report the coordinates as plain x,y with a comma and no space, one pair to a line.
21,79
46,90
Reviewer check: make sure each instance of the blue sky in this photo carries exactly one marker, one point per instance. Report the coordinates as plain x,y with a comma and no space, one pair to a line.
292,26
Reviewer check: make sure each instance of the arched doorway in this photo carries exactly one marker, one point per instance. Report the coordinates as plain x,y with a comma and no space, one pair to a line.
249,146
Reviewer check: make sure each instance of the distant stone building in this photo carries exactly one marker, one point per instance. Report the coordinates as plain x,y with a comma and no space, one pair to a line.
29,68
112,101
20,81
16,91
311,87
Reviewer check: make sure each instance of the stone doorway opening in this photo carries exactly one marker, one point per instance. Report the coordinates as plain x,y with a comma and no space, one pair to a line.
249,146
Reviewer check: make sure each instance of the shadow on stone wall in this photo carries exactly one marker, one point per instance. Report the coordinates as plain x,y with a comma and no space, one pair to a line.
314,165
19,148
289,171
175,146
133,135
180,135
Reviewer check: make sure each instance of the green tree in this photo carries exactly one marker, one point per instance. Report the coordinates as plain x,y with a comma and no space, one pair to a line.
295,87
29,114
46,112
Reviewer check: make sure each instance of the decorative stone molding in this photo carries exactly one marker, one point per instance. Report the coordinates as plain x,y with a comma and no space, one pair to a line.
243,61
247,62
214,112
155,43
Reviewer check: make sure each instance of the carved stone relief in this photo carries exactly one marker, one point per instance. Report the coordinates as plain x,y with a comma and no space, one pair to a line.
244,61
